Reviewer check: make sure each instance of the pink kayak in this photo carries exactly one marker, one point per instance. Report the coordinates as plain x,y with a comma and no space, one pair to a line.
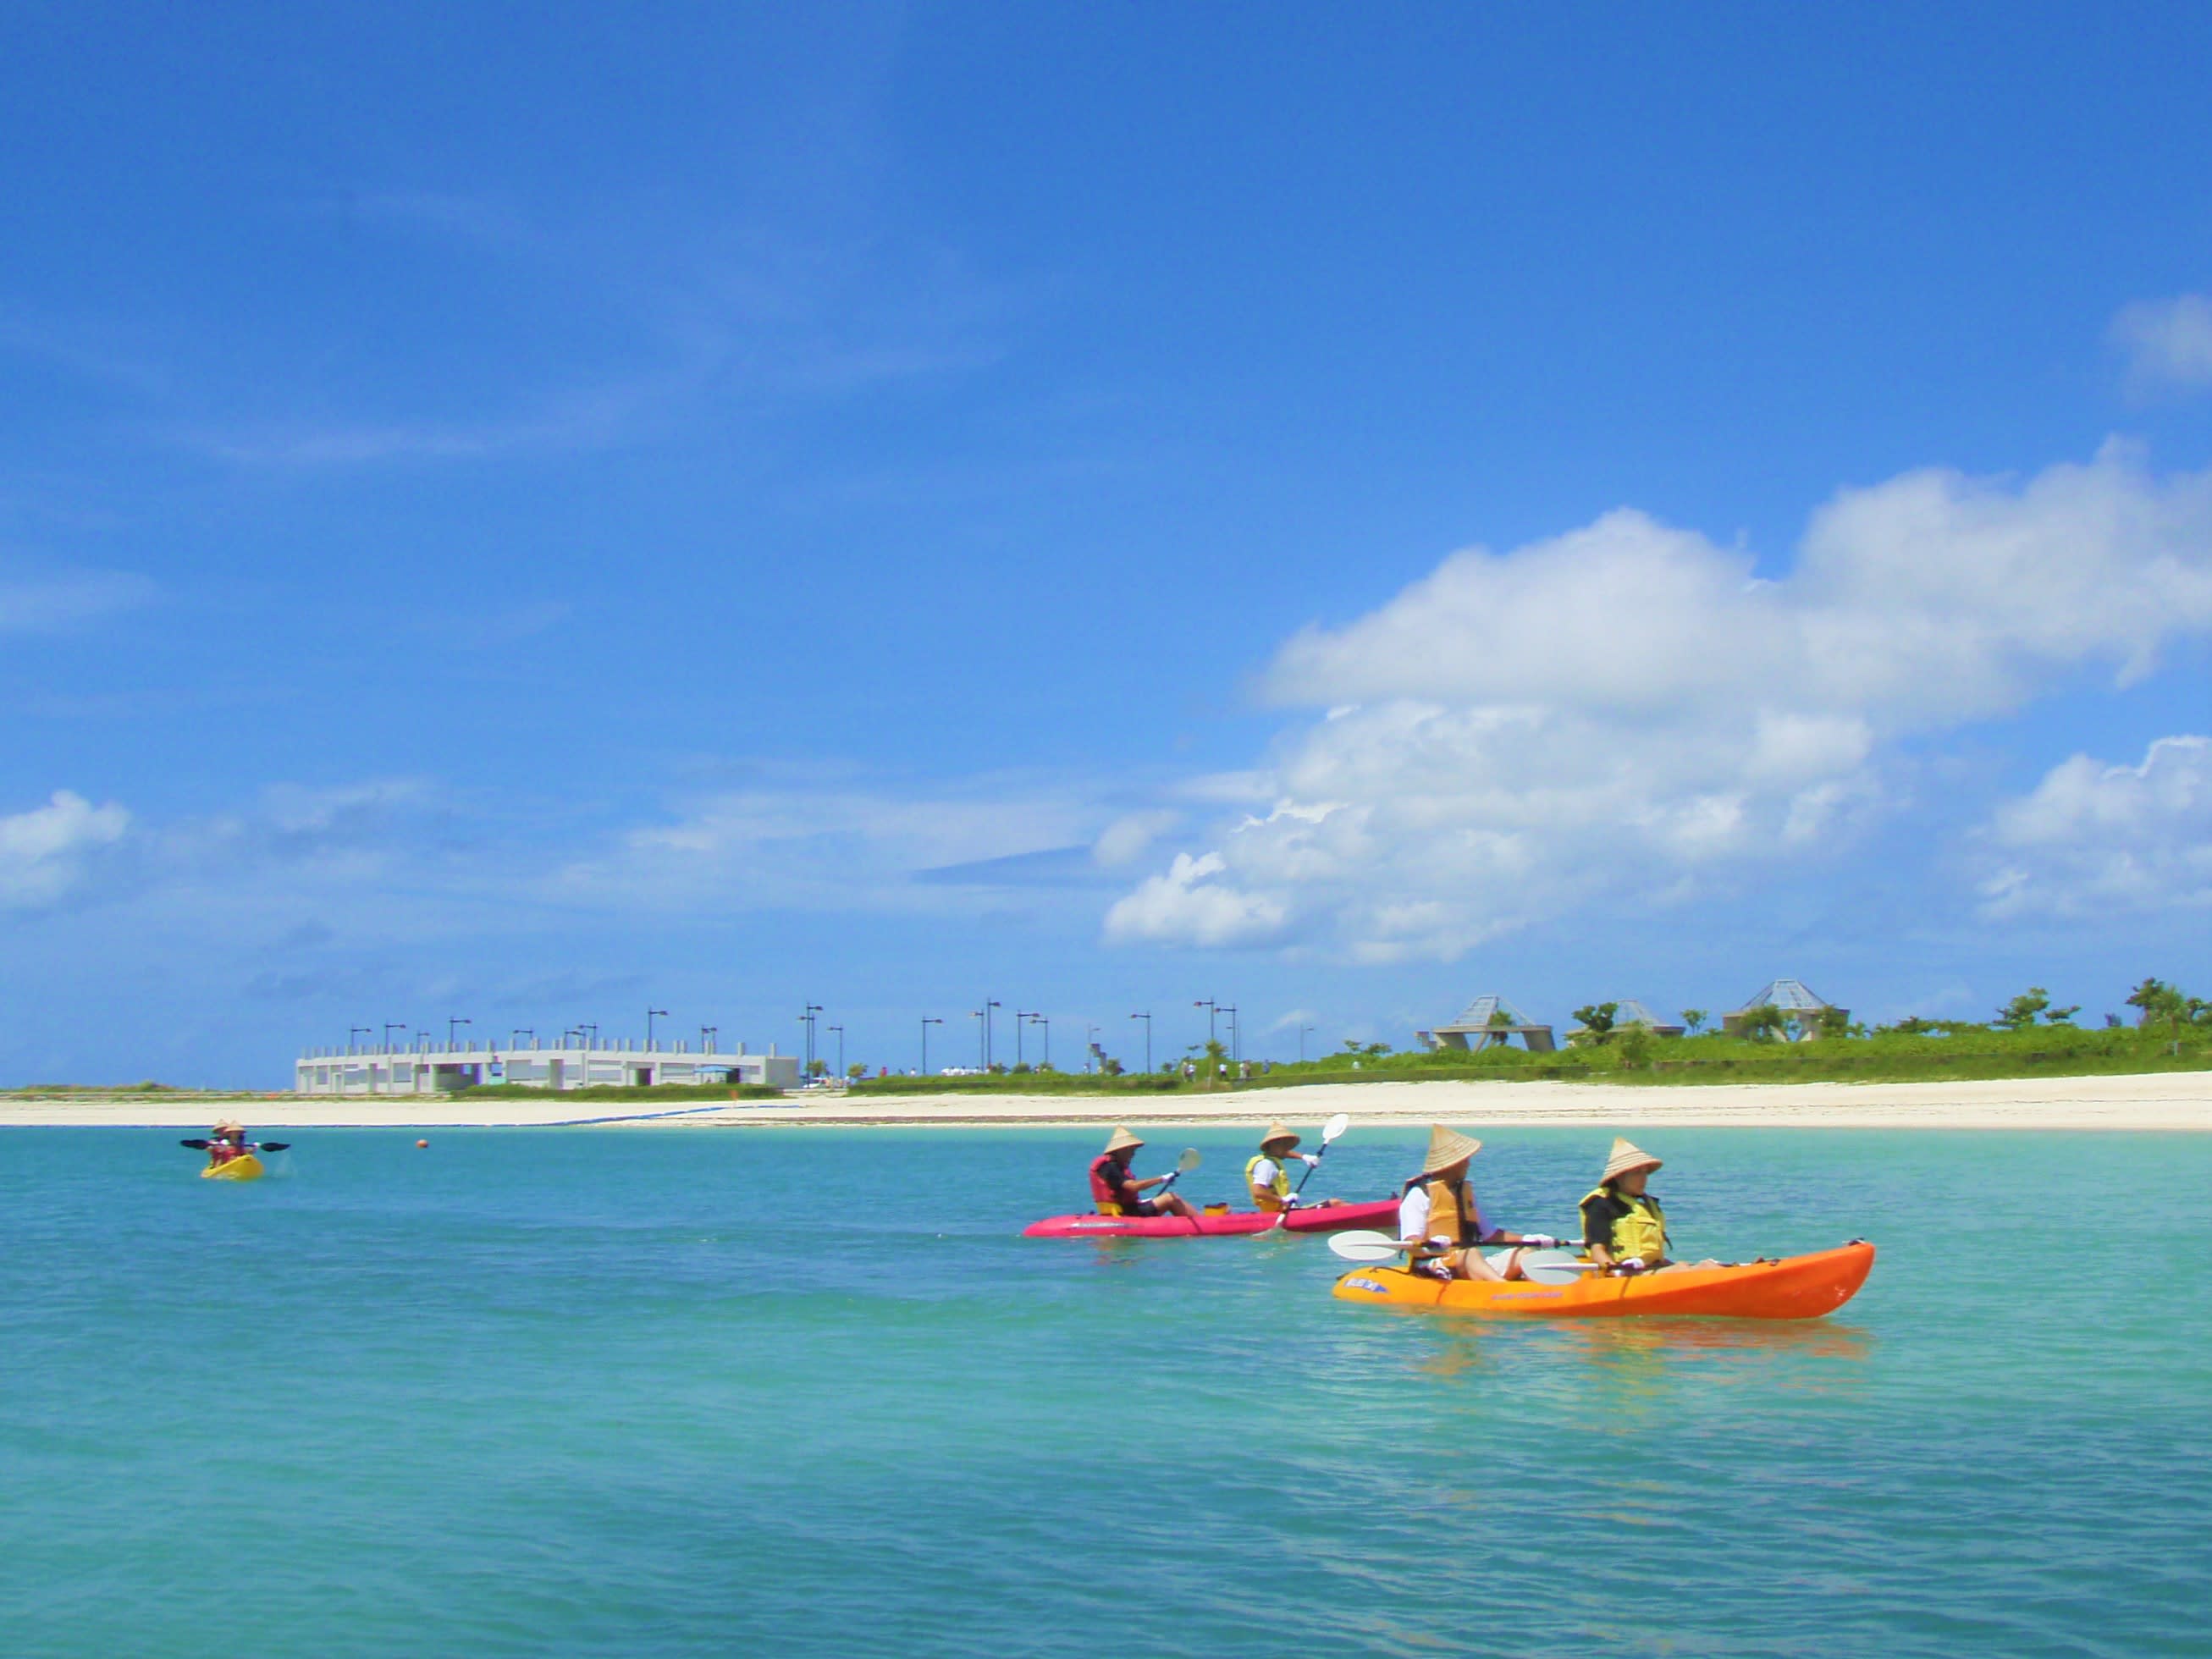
1318,1218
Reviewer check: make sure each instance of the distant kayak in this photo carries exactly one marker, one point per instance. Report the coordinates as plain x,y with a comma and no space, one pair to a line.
1796,1287
1317,1219
245,1168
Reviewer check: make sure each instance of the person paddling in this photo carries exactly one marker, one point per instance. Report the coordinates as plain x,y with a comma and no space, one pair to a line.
1116,1192
1268,1176
1440,1223
1624,1229
227,1141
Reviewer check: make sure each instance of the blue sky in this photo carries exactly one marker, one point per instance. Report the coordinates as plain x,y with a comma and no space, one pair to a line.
531,513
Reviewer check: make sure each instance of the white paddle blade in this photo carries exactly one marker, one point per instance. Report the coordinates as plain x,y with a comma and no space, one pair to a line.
1335,1126
1189,1160
1364,1246
1551,1266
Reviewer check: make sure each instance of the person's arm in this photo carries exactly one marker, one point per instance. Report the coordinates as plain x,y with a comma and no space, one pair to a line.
1597,1232
1507,1236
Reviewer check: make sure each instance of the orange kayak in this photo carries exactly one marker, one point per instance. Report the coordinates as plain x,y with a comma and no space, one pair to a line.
1796,1287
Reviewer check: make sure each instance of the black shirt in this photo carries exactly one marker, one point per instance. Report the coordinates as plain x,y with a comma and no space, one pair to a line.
1600,1210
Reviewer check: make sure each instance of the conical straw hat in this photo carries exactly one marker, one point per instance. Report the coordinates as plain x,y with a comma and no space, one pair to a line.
1121,1138
228,1124
1277,1131
1446,1148
1626,1157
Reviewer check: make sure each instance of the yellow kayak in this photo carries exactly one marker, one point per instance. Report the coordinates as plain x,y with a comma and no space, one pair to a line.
244,1168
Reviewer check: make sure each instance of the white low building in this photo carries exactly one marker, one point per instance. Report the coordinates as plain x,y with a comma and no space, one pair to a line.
431,1068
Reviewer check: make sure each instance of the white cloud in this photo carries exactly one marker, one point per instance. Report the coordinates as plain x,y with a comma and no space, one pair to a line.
1628,712
44,852
1130,836
2091,838
839,845
2167,342
1186,906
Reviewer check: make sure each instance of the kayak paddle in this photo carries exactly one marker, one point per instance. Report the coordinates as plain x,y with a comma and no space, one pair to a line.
1329,1130
1189,1160
1541,1266
250,1146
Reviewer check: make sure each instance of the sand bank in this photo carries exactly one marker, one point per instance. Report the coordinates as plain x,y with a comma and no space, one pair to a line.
2159,1101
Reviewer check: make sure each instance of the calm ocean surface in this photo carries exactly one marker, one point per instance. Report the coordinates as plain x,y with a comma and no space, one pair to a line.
692,1392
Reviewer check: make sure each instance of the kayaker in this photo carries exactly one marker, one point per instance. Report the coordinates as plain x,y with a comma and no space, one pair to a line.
226,1141
1116,1192
1268,1176
1624,1229
1441,1224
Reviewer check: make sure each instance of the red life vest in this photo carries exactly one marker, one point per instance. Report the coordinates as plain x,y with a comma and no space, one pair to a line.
1109,1186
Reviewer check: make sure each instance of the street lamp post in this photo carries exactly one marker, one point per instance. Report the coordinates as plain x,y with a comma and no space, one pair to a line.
1211,1009
390,1026
1236,1036
514,1037
451,1021
1022,1017
989,1003
806,1019
1148,1017
839,1032
1044,1020
353,1031
926,1022
650,1015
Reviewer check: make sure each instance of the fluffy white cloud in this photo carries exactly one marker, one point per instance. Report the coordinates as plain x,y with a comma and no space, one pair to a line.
44,852
2167,342
1186,906
1628,710
2091,838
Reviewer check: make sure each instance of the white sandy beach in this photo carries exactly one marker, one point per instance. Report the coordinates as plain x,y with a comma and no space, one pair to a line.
2162,1101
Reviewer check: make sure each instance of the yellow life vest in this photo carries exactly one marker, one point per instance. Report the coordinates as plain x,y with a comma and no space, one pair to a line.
1272,1200
1642,1233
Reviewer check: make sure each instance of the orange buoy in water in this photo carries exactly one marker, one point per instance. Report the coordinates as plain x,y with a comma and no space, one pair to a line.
422,1143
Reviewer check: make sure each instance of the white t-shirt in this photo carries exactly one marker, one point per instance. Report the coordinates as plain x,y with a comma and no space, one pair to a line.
1263,1172
1413,1215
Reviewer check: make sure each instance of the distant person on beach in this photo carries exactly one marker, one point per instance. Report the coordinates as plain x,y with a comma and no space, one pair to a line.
1624,1229
1269,1175
1116,1192
1441,1223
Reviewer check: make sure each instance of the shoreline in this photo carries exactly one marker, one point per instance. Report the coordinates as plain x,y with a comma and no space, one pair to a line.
2157,1101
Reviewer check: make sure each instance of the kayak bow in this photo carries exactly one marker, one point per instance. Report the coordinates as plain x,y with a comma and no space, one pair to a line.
1796,1287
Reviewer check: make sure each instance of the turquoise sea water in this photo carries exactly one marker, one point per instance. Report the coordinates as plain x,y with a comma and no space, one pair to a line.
700,1392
